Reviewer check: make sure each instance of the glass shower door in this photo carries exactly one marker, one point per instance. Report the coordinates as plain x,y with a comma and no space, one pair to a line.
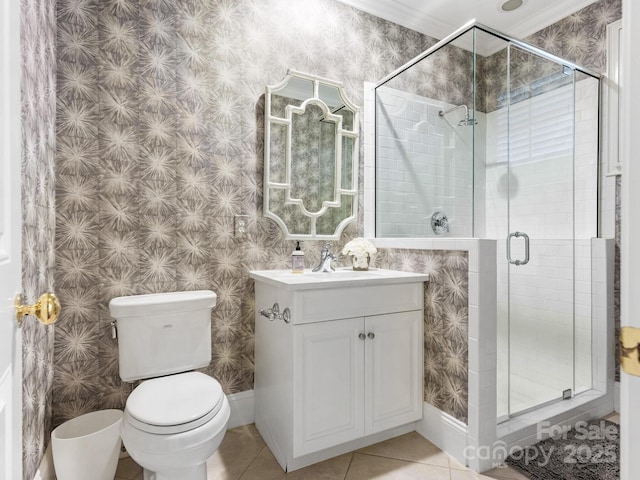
539,241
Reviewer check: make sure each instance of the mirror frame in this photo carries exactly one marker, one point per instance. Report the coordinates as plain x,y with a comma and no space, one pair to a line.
340,133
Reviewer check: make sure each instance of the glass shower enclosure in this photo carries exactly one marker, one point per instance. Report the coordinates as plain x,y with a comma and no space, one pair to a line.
489,137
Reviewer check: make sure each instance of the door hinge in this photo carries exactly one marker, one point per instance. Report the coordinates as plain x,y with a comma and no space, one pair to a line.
630,350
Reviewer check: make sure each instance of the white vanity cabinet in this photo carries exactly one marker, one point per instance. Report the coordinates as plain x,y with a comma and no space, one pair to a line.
349,386
346,371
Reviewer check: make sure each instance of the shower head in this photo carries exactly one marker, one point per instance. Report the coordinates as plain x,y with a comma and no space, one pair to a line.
467,121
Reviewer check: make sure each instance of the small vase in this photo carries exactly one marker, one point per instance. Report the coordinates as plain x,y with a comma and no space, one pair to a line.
361,262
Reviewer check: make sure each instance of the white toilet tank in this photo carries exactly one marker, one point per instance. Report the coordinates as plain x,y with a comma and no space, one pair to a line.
163,333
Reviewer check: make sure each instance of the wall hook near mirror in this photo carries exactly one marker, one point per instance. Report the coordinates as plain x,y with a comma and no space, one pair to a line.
310,157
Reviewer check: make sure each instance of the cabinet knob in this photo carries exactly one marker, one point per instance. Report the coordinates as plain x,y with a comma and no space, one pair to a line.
362,336
371,335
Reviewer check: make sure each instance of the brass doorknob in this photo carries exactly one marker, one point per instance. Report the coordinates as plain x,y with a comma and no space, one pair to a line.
46,309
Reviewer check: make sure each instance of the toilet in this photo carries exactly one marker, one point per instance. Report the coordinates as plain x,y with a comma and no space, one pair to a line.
176,418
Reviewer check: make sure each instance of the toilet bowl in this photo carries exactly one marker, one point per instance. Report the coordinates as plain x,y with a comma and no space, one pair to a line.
173,424
176,418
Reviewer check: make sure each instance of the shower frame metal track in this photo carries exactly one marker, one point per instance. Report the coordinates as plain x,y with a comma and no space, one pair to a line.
473,24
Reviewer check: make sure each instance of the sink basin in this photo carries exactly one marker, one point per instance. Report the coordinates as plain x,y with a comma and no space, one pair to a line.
342,277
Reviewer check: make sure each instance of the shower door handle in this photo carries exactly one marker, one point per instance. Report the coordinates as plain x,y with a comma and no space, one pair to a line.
526,248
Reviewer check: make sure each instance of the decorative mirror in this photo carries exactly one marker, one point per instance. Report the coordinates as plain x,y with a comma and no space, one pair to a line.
310,157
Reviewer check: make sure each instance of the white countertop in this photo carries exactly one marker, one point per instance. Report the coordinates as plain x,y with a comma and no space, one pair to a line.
341,277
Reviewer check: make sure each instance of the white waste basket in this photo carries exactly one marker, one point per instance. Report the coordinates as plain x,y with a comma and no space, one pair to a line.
88,446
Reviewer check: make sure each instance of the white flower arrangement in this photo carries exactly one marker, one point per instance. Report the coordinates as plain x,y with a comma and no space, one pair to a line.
359,246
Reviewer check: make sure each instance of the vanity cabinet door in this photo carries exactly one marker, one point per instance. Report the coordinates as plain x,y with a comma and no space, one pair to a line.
328,379
393,375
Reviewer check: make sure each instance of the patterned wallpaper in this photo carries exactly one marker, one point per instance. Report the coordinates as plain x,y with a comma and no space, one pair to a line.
446,322
581,37
38,46
159,144
446,75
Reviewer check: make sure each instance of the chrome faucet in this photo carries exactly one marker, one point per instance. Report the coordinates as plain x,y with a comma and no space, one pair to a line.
325,259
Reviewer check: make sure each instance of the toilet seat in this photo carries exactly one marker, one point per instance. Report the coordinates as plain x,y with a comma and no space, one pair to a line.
175,403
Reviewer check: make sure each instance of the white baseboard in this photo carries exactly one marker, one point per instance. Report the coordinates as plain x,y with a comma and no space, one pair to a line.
242,408
616,396
444,431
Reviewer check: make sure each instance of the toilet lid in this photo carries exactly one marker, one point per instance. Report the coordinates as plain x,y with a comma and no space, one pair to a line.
175,403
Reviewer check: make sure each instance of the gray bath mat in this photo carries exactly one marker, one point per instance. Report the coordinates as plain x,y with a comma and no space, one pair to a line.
588,452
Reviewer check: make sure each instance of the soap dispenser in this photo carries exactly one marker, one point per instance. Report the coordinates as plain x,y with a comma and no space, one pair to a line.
297,260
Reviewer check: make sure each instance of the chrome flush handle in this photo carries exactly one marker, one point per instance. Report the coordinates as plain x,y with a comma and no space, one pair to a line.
273,313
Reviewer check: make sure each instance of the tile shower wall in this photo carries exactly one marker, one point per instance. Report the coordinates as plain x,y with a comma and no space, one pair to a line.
38,47
585,32
545,174
581,38
424,165
159,145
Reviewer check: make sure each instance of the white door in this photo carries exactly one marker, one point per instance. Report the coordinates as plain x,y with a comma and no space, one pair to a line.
328,375
393,370
630,224
10,243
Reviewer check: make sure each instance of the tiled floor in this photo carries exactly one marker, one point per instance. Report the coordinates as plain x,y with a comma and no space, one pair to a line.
243,455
